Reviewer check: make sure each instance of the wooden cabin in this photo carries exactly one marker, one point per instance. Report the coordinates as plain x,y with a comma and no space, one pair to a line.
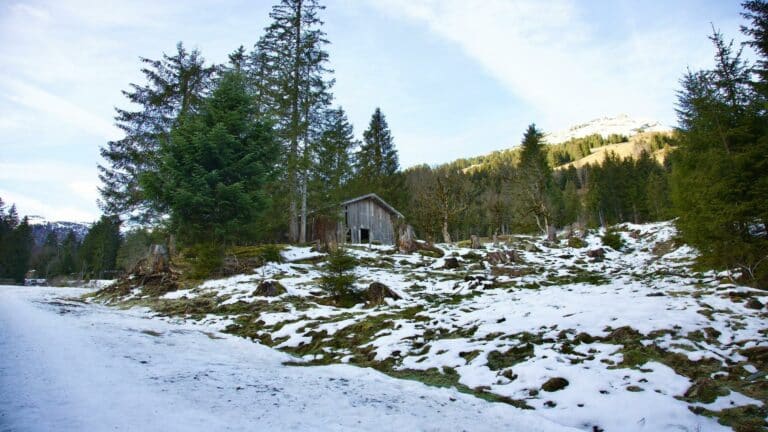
365,219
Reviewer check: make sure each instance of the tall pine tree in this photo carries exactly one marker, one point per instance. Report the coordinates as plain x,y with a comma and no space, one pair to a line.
212,172
290,63
333,161
534,182
377,157
719,181
175,85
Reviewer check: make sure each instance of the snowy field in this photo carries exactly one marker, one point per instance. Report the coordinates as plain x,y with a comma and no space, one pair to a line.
521,336
66,365
587,336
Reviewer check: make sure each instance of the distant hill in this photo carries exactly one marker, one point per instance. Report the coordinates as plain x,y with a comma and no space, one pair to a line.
41,228
607,126
589,143
654,143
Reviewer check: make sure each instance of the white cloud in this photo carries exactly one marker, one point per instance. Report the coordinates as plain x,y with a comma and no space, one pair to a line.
548,55
35,98
29,206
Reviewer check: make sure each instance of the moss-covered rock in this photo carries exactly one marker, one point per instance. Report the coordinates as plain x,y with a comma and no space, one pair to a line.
555,384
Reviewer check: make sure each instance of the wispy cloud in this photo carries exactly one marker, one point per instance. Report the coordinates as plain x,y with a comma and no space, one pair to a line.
549,55
37,99
31,206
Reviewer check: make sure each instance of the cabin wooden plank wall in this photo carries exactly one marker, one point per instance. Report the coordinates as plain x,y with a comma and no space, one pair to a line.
369,215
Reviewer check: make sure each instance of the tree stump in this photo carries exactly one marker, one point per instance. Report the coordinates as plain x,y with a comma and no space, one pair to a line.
475,242
551,233
406,239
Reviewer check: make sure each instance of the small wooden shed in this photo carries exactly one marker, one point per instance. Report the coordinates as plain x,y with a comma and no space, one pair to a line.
365,219
369,219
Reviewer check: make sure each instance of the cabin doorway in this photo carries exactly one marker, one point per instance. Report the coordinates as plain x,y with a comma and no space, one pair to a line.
365,235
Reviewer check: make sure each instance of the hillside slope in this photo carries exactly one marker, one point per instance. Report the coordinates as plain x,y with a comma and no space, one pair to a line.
588,336
619,125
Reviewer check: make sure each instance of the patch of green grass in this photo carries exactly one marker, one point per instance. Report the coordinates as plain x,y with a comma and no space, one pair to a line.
749,418
468,356
498,360
577,275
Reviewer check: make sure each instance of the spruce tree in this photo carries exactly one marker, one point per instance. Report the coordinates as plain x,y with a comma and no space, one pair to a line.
332,165
211,174
377,165
98,252
175,86
719,181
534,180
292,78
377,157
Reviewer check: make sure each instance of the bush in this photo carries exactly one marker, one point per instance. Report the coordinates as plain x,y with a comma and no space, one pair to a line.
271,253
206,259
613,239
338,278
576,242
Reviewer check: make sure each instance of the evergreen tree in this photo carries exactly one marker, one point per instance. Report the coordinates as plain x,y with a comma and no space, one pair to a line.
45,257
756,11
98,252
571,204
534,180
377,165
18,251
291,64
175,85
332,168
377,157
719,181
68,255
15,244
213,170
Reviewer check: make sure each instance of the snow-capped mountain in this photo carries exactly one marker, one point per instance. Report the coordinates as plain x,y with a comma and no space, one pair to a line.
621,125
41,228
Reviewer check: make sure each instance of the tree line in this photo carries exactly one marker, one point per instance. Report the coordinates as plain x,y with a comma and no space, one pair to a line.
243,152
93,257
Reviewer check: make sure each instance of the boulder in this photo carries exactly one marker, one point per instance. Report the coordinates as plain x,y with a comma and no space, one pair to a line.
269,288
555,384
596,254
496,257
503,257
377,292
451,263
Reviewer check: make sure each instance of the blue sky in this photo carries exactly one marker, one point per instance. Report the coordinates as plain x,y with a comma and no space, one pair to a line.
455,78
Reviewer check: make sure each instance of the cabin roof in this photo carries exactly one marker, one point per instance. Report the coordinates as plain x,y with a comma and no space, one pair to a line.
376,198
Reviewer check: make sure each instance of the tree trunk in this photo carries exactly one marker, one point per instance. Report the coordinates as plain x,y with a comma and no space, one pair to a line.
474,242
446,234
293,223
303,226
551,233
293,152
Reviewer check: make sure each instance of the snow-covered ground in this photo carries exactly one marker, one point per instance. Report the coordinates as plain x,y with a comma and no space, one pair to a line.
620,125
67,365
641,341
